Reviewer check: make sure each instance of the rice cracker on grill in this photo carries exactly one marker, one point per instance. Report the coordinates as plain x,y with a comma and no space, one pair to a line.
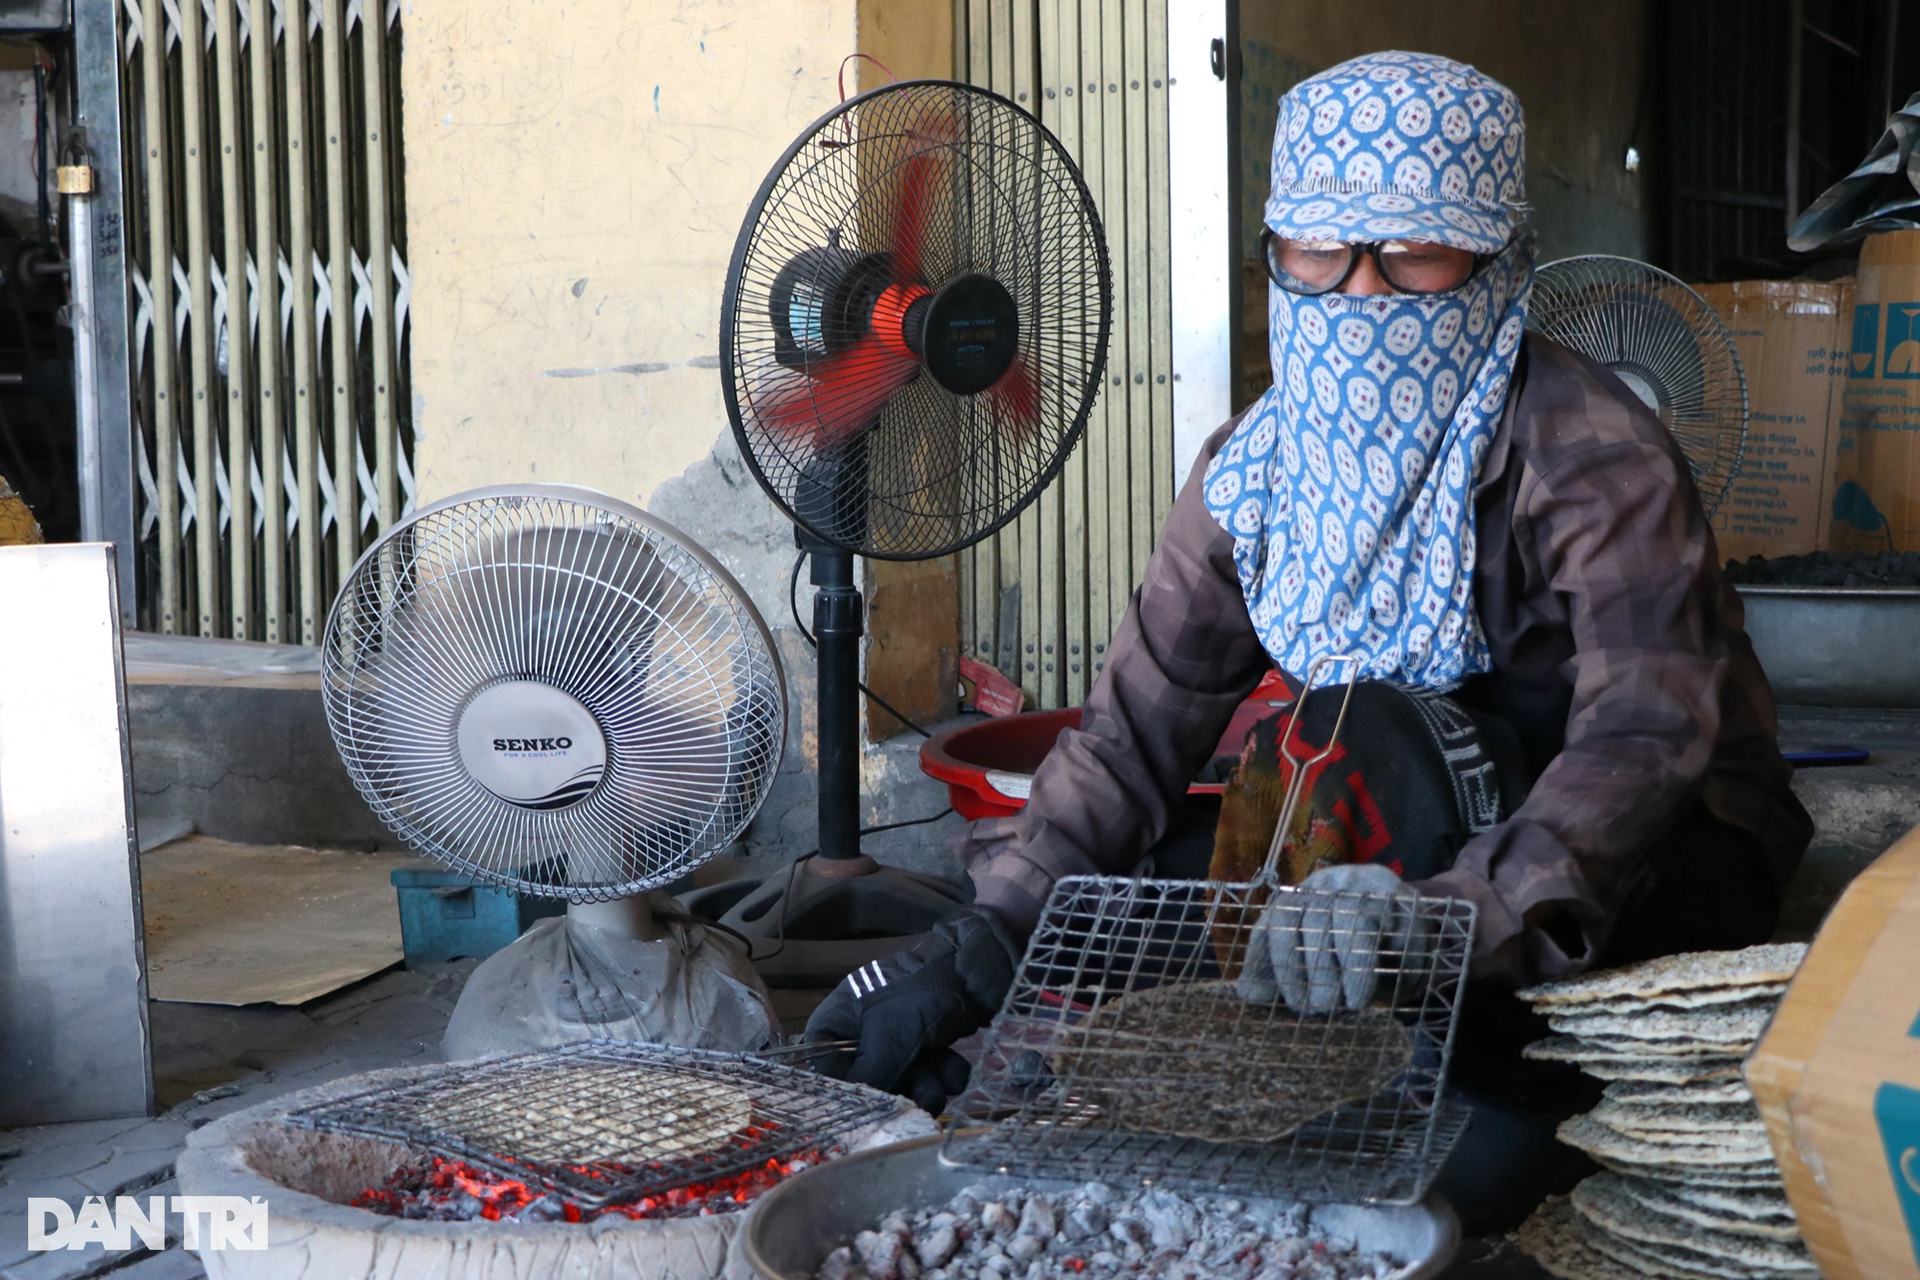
577,1114
1195,1060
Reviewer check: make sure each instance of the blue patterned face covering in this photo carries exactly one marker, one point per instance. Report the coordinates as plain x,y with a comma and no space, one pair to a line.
1348,487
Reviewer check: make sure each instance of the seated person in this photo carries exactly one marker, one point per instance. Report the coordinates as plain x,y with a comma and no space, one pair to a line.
1507,541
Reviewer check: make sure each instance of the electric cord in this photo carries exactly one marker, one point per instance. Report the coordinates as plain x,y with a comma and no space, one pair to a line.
793,603
910,822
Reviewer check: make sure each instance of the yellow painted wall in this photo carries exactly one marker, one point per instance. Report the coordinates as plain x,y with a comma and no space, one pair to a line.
576,175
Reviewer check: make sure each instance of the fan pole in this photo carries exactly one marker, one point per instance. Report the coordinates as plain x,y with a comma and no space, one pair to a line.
837,628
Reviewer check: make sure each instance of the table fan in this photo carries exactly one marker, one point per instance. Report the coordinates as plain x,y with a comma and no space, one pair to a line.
1665,342
554,692
912,335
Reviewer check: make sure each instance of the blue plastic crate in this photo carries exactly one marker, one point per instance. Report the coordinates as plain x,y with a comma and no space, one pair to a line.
445,915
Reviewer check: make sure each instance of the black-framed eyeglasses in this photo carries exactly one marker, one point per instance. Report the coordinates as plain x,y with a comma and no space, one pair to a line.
1314,267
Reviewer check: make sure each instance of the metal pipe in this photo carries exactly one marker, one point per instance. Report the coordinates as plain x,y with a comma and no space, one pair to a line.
166,443
200,312
233,226
85,380
837,629
266,257
305,394
386,475
1796,73
96,76
346,491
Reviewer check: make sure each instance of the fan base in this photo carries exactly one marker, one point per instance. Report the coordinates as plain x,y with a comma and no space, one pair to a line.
622,917
832,923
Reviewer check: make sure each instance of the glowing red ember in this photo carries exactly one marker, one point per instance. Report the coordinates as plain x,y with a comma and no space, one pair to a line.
454,1191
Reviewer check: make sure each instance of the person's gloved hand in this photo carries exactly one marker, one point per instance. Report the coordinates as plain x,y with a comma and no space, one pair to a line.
1330,954
907,1009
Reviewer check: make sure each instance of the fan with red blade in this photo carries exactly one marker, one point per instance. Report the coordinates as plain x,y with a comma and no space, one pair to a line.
913,333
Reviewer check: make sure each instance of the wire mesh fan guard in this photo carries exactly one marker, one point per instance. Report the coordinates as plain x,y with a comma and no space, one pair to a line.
1665,342
1124,1053
553,1115
560,601
915,184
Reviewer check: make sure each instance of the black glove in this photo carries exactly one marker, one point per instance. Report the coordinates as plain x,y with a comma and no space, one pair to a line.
907,1009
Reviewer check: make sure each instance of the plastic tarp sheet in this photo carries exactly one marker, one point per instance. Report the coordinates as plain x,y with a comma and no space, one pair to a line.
564,981
1883,194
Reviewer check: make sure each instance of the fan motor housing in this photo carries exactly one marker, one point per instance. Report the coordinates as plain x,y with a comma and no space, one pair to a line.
822,302
970,333
532,745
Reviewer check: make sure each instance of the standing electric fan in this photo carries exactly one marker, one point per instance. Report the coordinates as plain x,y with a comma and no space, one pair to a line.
913,333
554,692
1665,342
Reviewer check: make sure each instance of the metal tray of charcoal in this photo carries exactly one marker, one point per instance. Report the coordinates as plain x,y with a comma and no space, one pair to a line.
791,1229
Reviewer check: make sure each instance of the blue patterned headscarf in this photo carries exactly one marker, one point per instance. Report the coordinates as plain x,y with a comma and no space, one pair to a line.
1348,487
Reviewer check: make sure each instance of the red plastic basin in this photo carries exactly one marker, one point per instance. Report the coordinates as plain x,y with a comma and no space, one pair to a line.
988,767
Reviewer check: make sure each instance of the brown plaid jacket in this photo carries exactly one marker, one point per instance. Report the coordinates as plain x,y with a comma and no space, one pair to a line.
1605,595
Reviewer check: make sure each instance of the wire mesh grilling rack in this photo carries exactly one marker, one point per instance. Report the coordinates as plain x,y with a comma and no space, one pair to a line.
1132,1045
611,1122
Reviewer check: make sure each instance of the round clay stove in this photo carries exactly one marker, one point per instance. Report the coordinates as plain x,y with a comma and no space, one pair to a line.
309,1179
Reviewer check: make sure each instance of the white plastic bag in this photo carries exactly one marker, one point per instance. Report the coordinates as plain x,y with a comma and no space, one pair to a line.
563,981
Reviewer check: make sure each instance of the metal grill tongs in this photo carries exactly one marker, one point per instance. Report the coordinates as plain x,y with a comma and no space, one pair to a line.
1127,1052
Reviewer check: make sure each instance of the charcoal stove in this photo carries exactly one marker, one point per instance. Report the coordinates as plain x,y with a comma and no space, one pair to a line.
523,1121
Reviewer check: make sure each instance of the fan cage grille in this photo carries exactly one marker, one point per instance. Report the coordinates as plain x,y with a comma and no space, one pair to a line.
935,471
659,644
1650,328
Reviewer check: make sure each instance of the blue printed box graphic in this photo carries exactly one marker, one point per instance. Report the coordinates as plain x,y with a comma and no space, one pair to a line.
1903,341
1866,340
1897,1109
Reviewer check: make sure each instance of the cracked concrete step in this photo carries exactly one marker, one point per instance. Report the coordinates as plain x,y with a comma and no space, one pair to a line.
231,736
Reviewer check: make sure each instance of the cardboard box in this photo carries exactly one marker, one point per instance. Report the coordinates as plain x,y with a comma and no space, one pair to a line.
1837,1078
1877,503
1792,339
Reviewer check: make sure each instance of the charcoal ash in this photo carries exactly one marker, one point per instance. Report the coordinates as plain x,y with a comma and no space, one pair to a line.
1094,1231
1824,569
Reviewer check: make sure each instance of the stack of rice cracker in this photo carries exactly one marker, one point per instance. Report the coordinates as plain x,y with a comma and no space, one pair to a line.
1691,1190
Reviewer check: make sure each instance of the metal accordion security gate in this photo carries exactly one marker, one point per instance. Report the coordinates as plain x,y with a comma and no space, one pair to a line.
1113,79
267,265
